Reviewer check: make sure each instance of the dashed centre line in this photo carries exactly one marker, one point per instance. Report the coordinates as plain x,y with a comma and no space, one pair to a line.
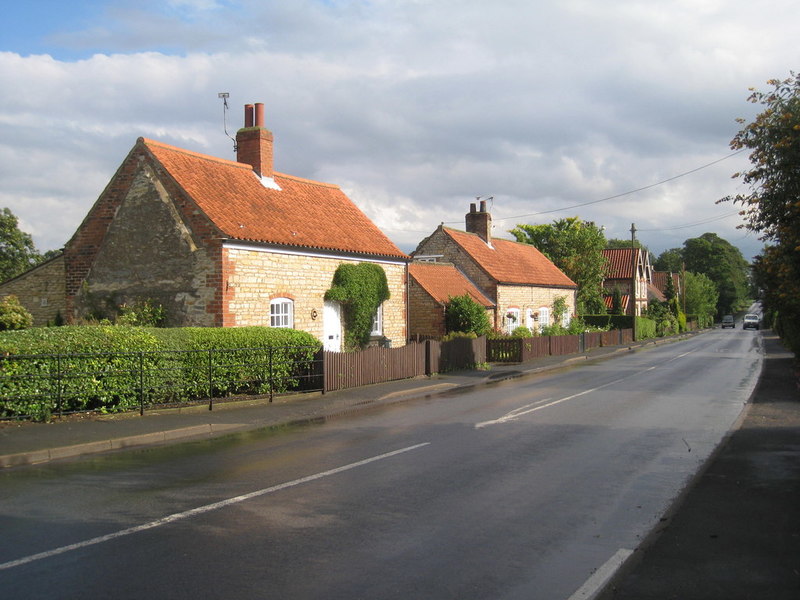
203,509
524,410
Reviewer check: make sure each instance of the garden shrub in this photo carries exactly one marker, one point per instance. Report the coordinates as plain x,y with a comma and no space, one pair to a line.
13,315
462,313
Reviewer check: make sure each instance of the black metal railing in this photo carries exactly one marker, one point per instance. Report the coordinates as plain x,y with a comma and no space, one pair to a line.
38,386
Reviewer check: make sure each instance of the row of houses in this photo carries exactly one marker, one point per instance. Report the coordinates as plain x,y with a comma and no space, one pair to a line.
234,243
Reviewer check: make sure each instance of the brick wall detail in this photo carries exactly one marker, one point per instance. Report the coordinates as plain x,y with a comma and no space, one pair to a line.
255,277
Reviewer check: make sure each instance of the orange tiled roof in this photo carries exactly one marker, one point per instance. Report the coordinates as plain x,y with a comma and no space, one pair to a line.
444,281
653,293
302,213
511,262
619,263
660,280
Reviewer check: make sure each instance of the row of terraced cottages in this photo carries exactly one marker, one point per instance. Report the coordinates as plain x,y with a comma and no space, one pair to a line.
224,244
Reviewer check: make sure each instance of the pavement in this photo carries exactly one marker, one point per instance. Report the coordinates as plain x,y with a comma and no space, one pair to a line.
733,533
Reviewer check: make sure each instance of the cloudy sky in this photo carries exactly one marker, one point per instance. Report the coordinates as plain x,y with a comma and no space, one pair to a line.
616,111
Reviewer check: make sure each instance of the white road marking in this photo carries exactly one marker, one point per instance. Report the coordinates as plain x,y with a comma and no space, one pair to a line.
518,412
203,509
596,582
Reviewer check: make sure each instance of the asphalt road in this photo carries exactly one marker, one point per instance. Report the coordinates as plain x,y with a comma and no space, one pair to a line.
527,489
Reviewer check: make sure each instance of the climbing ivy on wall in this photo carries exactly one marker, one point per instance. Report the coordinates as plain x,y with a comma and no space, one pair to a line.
360,289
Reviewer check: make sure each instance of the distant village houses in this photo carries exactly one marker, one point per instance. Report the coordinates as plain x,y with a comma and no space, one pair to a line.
515,281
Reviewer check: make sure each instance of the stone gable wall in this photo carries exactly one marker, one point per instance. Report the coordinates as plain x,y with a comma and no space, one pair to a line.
40,291
148,252
425,315
439,243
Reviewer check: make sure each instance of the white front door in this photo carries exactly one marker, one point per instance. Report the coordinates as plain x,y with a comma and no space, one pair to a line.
332,326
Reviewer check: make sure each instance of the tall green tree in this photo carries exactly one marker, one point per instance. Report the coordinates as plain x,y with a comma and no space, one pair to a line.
771,206
701,296
670,260
724,264
576,247
17,251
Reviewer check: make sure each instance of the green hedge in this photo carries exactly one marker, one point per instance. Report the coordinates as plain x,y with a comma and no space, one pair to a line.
103,367
645,328
609,321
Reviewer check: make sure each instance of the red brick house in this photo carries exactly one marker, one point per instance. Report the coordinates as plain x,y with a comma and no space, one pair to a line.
517,278
660,282
430,287
224,243
619,274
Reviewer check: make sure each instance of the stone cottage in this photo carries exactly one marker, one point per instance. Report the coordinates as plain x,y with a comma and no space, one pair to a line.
517,278
224,243
431,285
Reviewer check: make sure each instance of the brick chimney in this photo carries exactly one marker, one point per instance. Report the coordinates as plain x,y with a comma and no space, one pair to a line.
480,222
254,141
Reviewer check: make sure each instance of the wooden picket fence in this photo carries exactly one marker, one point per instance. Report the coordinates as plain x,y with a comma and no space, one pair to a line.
343,370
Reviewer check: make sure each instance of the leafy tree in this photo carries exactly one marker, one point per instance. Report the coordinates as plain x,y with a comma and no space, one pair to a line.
463,314
771,206
701,296
575,247
724,264
670,260
670,292
666,320
13,315
17,251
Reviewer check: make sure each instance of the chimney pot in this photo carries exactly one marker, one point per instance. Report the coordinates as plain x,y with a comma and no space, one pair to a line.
254,141
480,223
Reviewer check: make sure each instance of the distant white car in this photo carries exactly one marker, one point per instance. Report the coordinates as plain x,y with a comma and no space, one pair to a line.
751,321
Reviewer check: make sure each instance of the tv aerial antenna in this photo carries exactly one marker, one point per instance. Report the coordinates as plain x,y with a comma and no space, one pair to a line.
225,96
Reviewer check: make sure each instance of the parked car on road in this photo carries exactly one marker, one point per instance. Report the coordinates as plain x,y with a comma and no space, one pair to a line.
751,321
727,321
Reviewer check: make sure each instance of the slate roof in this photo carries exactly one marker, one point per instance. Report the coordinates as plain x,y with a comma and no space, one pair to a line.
511,262
443,281
302,213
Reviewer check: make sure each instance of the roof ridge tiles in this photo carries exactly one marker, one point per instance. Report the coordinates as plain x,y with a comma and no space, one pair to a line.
216,159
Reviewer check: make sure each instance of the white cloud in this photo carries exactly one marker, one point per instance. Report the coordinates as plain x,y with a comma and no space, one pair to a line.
414,108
